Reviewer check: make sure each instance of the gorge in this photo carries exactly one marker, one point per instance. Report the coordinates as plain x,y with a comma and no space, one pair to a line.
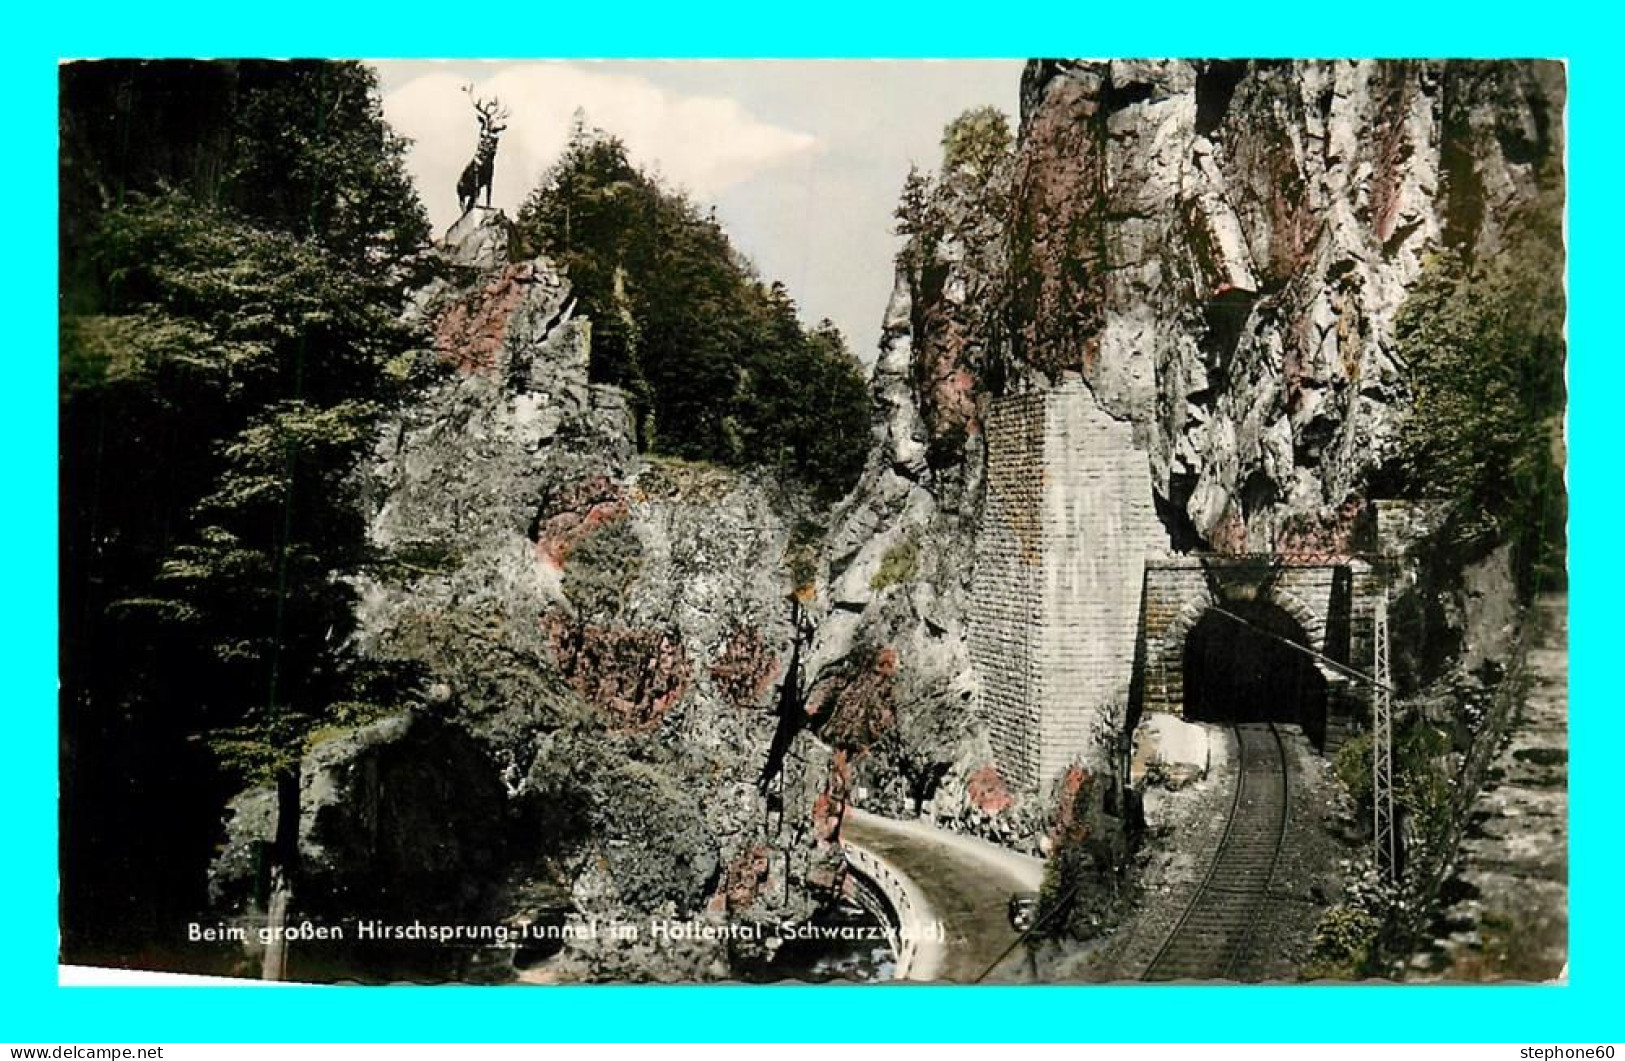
1161,420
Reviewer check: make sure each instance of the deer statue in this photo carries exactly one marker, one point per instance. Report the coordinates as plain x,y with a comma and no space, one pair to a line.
477,174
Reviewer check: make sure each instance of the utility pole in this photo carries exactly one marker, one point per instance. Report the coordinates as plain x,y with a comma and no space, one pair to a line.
1382,751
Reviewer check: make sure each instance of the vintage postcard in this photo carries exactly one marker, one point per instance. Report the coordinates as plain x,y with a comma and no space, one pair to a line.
984,522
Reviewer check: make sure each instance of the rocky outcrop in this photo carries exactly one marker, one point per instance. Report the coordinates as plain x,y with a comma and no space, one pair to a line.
1220,250
399,819
604,633
1503,912
672,678
1217,252
892,679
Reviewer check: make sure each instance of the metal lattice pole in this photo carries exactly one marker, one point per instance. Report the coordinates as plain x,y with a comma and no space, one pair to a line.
1382,751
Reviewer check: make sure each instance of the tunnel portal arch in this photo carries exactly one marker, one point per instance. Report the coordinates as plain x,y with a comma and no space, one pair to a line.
1244,661
1324,607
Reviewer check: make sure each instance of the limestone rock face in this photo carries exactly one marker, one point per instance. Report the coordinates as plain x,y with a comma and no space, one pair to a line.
602,636
478,239
1220,249
643,605
1216,252
1190,269
889,676
400,818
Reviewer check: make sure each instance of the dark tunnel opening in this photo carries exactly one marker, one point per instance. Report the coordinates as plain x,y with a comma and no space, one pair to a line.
1245,667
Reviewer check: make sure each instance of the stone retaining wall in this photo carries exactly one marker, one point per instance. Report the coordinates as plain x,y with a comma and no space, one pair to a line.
1066,531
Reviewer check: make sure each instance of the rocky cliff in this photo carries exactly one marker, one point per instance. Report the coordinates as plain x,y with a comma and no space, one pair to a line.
1218,252
673,676
602,639
1220,249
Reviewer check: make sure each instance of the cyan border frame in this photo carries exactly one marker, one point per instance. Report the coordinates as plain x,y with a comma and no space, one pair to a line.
33,1008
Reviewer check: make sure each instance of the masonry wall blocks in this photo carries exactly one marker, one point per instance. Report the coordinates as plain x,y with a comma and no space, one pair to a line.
1074,579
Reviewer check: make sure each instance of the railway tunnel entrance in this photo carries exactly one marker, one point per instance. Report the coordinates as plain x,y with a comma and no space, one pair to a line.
1245,662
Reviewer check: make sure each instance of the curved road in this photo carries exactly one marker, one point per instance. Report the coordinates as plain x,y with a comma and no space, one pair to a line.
966,883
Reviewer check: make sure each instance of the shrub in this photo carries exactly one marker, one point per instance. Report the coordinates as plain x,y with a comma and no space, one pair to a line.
1352,765
1483,344
1344,942
801,554
900,564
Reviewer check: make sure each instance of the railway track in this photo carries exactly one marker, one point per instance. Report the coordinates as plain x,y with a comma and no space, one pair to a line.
1215,936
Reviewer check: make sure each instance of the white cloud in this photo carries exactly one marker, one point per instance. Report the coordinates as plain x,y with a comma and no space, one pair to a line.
702,143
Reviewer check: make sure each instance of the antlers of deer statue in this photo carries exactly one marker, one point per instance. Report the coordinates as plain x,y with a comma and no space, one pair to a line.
477,174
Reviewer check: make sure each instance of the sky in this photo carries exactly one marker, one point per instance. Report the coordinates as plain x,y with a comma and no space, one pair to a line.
803,160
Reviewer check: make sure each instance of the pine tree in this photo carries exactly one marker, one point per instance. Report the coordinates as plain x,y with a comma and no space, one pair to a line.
718,363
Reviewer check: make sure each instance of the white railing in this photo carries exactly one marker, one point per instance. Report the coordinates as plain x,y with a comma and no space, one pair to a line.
911,925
